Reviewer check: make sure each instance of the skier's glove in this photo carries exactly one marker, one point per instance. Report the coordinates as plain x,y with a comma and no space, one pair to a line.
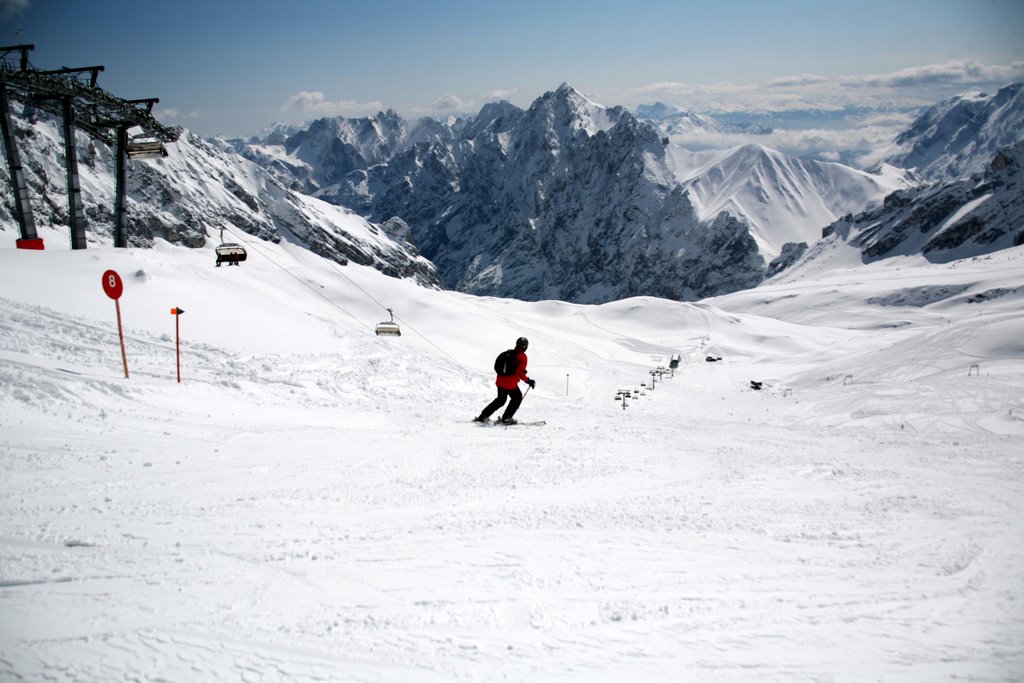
532,383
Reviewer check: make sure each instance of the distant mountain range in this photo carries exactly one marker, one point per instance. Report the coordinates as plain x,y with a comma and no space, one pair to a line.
567,199
851,135
571,200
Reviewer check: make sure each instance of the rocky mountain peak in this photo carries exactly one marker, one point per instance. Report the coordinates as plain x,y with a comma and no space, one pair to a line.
947,220
567,108
959,136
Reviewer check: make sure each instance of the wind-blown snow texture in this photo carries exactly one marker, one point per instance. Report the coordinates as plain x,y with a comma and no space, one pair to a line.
312,502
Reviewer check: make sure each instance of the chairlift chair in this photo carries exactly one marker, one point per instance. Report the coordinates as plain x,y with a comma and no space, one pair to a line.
388,328
145,148
230,253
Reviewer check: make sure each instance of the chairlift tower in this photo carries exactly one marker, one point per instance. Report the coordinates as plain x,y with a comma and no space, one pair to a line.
73,95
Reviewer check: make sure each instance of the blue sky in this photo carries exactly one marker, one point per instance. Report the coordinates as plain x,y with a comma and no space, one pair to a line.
235,66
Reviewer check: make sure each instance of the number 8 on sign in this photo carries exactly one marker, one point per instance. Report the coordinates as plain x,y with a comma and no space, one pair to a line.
112,284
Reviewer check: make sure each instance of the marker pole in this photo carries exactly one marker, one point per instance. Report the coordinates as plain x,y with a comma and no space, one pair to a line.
120,334
177,344
176,312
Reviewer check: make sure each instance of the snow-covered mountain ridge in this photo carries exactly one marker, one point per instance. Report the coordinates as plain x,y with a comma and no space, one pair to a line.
943,222
960,136
193,194
573,200
782,198
567,199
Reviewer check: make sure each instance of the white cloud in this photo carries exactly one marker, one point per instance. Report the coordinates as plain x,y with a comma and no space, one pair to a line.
176,114
800,142
863,144
498,95
456,105
911,87
449,103
893,98
316,104
961,74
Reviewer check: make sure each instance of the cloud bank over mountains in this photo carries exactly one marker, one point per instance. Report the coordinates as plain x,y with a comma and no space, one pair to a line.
911,87
851,114
315,104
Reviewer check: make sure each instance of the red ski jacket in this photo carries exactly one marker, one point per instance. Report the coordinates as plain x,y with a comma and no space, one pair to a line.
512,381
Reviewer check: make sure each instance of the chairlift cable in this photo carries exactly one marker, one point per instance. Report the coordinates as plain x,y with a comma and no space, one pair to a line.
424,337
300,280
337,269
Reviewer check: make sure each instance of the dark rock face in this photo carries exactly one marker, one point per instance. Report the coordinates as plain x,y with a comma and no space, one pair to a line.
791,252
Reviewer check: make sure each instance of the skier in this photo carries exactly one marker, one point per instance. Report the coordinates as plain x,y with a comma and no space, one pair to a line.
508,388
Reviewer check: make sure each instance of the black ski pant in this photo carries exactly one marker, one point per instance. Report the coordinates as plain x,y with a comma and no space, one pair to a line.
514,398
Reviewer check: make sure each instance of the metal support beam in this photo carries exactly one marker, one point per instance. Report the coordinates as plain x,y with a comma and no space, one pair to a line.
93,71
87,107
76,214
148,101
23,49
22,207
121,189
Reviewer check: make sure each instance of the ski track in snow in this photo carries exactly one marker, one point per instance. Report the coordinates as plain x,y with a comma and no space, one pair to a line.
334,516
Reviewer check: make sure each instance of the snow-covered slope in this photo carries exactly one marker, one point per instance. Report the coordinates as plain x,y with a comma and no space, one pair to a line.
782,198
312,502
959,136
188,197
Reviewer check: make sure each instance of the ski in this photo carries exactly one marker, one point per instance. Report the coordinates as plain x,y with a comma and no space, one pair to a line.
498,423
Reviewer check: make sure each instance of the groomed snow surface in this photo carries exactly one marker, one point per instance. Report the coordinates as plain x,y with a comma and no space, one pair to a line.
312,502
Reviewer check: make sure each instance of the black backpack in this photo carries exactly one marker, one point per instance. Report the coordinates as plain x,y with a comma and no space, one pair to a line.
505,363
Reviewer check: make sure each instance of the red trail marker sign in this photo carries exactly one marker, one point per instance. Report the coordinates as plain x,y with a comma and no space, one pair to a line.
113,287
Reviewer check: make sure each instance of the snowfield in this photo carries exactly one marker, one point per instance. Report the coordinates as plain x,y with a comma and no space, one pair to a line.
312,502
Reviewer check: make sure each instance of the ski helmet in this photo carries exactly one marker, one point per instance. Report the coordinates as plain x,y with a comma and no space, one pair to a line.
522,343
